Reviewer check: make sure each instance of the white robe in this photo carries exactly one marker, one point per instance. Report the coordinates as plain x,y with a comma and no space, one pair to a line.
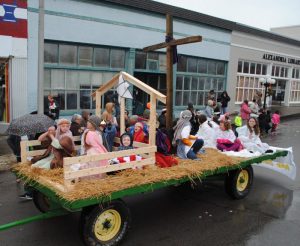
251,141
225,135
207,133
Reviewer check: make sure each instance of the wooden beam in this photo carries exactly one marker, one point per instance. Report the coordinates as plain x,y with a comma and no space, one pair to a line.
122,115
169,114
108,155
152,120
144,87
109,168
107,86
98,103
188,40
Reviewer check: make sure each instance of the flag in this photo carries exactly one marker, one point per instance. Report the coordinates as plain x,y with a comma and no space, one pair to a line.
13,18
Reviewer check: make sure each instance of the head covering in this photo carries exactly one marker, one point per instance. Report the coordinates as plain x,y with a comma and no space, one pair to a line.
75,117
67,145
122,147
63,121
139,124
164,110
95,121
183,121
58,134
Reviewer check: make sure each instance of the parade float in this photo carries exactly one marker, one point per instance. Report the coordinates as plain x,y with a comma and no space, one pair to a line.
105,218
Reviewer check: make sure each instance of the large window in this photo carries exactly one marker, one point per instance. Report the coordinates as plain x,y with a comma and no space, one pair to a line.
196,77
68,76
72,89
247,79
295,86
279,71
152,61
84,56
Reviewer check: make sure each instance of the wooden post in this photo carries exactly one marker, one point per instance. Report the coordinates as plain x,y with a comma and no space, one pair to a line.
122,115
98,103
169,34
152,120
23,151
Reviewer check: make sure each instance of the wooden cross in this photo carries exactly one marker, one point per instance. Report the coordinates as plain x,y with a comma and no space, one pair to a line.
170,46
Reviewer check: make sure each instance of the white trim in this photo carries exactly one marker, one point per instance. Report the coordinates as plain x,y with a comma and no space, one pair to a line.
21,13
269,51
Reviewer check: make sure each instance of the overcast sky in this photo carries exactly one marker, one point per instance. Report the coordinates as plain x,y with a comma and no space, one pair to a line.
262,14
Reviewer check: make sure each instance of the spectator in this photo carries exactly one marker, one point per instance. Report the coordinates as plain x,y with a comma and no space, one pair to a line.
245,111
224,99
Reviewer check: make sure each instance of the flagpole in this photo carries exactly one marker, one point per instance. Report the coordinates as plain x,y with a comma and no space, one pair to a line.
40,96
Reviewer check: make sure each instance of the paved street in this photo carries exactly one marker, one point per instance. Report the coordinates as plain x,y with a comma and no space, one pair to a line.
269,216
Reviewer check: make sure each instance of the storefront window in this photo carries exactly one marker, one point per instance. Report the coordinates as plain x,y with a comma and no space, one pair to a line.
117,58
51,53
101,57
68,54
85,56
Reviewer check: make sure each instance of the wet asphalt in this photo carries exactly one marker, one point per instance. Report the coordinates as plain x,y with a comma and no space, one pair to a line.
269,215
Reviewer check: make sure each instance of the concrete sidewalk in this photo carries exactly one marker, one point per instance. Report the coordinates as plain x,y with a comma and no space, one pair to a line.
286,112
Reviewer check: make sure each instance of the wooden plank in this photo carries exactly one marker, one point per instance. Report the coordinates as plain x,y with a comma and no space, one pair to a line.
188,40
37,142
139,144
122,115
152,120
23,151
144,87
108,156
107,86
169,33
108,168
98,103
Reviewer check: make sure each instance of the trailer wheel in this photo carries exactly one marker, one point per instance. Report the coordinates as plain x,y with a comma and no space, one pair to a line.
106,224
239,182
40,201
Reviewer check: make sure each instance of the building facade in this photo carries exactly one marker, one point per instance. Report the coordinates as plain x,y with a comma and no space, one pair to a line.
87,42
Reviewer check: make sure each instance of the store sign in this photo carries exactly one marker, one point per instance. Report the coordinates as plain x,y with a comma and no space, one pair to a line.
283,59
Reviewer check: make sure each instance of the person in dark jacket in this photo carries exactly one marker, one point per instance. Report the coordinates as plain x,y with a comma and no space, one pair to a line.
224,99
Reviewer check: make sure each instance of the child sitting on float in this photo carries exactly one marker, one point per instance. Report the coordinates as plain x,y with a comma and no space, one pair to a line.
93,143
59,142
126,143
249,136
206,131
226,139
187,145
139,134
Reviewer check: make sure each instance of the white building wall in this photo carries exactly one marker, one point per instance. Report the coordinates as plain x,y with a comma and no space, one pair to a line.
98,23
18,86
251,48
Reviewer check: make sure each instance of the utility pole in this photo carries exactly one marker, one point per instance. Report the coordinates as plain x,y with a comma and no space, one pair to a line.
40,96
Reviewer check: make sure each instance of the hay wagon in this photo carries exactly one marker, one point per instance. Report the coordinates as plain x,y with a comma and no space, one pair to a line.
105,218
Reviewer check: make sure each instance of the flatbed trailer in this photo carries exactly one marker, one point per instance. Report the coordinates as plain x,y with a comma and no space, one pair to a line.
105,220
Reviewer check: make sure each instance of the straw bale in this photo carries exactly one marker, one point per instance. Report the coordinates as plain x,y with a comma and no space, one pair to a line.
93,187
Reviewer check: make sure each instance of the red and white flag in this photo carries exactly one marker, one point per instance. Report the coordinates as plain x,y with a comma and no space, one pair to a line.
13,18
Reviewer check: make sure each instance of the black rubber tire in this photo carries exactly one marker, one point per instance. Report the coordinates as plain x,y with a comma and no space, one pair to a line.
231,183
89,217
40,201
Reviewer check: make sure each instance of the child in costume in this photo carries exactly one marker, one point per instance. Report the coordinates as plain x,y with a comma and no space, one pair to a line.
187,145
249,136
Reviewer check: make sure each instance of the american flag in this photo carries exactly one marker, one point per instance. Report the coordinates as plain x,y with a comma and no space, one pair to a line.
13,18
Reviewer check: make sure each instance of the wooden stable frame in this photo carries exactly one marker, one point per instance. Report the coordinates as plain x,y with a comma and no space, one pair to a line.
146,151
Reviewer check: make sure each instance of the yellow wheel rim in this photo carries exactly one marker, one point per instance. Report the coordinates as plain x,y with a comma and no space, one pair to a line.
242,180
107,225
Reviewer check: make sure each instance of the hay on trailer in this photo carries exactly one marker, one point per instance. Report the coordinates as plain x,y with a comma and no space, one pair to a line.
90,188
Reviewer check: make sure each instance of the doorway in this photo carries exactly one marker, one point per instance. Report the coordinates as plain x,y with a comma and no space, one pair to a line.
4,91
140,98
278,92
